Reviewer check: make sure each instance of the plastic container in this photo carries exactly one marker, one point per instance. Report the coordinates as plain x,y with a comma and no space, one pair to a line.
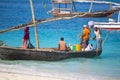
78,47
74,48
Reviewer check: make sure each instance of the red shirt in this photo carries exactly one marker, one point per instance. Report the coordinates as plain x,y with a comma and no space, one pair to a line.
26,29
26,36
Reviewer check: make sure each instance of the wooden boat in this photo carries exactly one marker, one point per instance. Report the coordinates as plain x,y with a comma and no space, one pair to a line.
8,53
64,8
84,14
48,54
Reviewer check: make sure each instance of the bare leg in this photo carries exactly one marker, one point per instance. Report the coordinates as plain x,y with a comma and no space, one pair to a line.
24,44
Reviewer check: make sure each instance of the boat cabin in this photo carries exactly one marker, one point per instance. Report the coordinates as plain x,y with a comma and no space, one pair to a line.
62,7
66,8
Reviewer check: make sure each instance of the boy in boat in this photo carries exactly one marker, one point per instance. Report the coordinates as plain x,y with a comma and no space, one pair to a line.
97,37
85,37
26,37
62,45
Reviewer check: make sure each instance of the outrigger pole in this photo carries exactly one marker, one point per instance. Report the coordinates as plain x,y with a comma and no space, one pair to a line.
35,24
91,5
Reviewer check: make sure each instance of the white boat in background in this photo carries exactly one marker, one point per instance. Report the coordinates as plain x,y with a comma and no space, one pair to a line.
108,25
111,25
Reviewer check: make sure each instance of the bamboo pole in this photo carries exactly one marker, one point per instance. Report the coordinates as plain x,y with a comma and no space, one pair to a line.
35,25
30,24
91,5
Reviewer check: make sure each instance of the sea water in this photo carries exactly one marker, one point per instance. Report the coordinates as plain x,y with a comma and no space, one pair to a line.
105,67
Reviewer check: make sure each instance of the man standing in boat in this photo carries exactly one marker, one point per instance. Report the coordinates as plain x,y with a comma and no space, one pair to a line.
97,37
26,37
62,45
85,37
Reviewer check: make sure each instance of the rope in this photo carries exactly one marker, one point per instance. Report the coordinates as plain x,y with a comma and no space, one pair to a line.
106,37
80,34
103,42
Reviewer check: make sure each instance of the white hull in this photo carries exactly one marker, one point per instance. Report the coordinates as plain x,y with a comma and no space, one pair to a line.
108,26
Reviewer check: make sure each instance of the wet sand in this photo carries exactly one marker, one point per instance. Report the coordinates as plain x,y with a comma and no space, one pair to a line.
20,76
16,76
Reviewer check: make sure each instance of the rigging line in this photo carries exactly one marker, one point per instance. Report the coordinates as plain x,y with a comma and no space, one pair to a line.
106,37
103,42
80,34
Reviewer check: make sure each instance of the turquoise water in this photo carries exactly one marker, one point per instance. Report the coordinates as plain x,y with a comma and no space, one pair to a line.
105,67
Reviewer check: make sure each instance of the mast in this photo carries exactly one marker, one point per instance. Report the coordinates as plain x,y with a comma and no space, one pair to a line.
111,6
35,25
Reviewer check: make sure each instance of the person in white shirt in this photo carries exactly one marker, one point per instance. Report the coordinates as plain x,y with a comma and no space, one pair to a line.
98,38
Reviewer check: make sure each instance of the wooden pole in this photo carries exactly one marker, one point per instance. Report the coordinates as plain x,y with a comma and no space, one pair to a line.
91,5
53,6
72,7
118,16
35,25
111,6
59,6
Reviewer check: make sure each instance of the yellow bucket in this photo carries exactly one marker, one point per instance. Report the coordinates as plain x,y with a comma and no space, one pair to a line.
78,47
